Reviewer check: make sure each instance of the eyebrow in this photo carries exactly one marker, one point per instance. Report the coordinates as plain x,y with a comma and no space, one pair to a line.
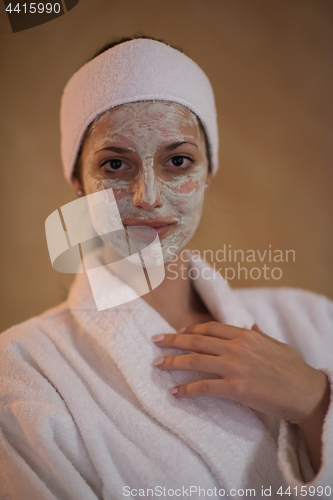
177,144
171,147
115,149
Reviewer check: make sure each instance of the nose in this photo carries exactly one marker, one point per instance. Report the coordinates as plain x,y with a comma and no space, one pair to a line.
146,190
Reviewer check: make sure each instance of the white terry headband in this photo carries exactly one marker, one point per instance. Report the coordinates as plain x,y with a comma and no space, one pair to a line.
137,70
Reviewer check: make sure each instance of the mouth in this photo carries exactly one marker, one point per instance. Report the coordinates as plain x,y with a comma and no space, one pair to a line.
162,227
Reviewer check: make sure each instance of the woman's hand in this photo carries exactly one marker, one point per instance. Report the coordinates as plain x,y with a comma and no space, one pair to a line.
255,370
252,368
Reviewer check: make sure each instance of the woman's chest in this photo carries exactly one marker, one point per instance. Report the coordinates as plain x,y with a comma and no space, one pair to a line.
178,321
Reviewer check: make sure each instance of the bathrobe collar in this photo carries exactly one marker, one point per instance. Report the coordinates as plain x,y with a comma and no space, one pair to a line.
216,294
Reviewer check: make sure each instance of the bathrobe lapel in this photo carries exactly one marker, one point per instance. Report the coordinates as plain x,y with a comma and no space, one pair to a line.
222,432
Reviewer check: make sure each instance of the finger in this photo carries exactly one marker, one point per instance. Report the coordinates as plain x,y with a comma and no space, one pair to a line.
257,329
202,388
215,329
191,362
195,343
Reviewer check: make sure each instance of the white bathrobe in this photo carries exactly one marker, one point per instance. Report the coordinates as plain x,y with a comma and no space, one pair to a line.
85,415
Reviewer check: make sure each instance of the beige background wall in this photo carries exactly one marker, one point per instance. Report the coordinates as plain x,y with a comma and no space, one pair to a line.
270,63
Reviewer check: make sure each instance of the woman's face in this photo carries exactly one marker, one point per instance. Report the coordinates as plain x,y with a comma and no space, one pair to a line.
153,156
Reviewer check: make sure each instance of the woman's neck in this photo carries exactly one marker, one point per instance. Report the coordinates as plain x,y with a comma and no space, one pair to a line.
175,299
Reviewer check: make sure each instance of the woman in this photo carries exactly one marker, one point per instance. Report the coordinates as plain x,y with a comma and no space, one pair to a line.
102,402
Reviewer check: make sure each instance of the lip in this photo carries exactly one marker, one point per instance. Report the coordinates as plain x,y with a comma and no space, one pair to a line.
161,226
149,222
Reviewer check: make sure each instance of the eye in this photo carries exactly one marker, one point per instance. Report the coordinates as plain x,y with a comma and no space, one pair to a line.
181,162
114,165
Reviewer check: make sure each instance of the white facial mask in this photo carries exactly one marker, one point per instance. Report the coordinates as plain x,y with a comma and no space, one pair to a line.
147,126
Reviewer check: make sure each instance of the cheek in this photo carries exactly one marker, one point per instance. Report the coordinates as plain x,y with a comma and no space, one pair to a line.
190,186
185,195
191,206
121,194
120,189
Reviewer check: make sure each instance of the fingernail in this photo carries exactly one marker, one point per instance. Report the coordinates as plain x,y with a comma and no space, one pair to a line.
182,330
158,361
174,390
157,338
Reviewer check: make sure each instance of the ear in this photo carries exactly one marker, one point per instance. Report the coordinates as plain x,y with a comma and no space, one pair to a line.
77,186
209,180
